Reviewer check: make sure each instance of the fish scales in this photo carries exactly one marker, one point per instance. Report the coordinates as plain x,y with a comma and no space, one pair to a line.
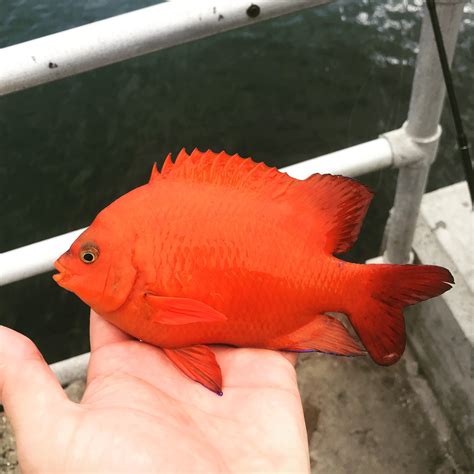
253,261
217,249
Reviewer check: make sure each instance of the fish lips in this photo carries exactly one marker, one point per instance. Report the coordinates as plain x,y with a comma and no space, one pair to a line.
63,275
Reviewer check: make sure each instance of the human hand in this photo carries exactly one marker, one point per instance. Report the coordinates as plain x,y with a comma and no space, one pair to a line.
140,414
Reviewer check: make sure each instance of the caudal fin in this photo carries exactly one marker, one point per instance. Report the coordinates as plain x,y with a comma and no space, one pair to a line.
384,291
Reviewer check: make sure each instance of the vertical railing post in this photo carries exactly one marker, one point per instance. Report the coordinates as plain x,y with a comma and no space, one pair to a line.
422,126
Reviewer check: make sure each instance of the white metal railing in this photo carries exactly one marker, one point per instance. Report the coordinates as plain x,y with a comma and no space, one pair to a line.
34,259
411,148
424,112
130,35
71,369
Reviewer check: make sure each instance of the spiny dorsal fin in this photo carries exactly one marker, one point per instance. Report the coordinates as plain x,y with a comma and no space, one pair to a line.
168,165
221,168
331,208
155,174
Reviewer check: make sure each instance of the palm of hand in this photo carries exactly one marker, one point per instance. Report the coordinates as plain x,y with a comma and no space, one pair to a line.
141,414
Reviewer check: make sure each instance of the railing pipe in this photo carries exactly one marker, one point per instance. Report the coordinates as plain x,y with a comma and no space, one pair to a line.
353,161
34,259
129,35
68,370
425,108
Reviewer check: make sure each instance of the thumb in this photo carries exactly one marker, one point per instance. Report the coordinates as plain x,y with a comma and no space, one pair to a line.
29,391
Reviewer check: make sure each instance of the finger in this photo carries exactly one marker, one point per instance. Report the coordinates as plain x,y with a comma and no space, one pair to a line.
103,333
291,356
29,391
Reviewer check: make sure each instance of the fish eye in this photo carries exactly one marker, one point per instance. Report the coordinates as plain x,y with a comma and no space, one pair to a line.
89,254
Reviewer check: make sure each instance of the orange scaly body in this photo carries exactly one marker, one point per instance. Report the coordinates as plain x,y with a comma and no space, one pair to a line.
217,249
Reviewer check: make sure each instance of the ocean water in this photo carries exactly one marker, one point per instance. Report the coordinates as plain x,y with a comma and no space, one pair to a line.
281,92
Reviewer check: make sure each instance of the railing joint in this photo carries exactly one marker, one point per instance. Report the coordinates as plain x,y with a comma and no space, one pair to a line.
410,151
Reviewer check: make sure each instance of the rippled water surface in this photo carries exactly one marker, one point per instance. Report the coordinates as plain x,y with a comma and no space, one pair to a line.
281,91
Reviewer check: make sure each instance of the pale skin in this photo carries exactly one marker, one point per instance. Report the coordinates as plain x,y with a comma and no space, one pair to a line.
140,414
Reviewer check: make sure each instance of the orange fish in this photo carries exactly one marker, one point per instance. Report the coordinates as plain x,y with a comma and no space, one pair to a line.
220,249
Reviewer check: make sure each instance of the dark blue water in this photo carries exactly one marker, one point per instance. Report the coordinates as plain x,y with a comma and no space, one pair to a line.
281,91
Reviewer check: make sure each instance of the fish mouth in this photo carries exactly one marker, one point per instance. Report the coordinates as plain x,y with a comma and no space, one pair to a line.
63,273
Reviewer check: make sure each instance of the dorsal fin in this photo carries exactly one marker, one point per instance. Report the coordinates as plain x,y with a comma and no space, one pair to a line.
339,205
330,207
221,168
168,165
154,174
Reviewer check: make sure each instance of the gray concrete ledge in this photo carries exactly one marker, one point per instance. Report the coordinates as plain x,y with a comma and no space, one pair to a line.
441,330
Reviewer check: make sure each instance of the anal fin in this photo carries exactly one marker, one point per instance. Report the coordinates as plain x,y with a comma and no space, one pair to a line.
323,334
199,364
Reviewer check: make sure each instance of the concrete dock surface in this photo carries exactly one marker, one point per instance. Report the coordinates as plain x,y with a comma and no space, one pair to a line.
362,418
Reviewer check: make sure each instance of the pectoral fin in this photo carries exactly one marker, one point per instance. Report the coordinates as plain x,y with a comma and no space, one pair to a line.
169,310
323,334
199,364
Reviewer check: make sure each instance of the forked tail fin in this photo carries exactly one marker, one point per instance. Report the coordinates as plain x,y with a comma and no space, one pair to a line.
383,292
